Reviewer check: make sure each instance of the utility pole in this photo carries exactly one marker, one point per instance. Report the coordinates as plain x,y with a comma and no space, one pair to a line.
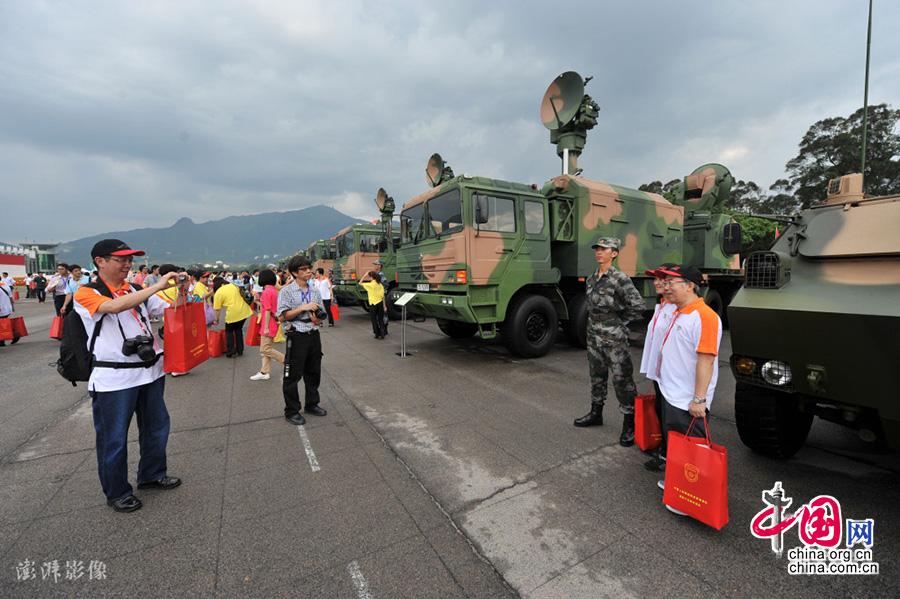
866,99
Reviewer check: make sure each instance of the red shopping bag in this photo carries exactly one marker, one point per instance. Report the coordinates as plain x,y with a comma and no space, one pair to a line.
56,328
215,341
15,296
253,336
6,329
647,433
697,477
335,311
184,338
18,325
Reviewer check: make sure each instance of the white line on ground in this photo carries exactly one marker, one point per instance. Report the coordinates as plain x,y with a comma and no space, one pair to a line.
307,447
359,581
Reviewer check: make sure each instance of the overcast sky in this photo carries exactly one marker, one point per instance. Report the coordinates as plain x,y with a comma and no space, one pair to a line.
117,115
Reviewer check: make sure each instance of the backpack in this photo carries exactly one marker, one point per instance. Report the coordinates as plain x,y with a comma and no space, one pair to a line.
76,357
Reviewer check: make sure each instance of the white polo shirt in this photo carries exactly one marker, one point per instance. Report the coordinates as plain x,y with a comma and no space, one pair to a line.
656,329
108,347
694,329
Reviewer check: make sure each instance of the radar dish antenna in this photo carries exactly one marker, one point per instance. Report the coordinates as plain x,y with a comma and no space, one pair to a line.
436,171
385,205
569,114
384,202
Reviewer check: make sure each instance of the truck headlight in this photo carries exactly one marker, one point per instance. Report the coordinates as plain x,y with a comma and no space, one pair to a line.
776,373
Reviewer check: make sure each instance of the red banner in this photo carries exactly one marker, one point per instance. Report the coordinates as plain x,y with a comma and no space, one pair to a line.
185,338
697,478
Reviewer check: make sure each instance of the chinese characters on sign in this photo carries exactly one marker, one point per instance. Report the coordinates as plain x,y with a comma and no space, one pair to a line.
53,571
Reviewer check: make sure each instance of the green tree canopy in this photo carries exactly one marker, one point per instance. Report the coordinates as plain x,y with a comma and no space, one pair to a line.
832,147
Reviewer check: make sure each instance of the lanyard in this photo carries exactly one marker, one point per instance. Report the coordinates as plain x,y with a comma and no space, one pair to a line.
138,317
666,338
656,317
305,297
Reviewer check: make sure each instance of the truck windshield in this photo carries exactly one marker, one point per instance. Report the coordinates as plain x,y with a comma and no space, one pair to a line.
444,213
411,224
372,243
312,253
345,244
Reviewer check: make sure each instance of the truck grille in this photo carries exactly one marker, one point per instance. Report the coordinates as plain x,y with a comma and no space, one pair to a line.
763,270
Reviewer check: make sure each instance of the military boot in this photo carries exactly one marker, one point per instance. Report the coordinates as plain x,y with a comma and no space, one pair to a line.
626,439
592,418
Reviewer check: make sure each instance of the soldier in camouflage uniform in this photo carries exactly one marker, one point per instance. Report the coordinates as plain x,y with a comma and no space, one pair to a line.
612,302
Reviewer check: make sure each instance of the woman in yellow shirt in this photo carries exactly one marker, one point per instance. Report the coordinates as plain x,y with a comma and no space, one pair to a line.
237,311
375,291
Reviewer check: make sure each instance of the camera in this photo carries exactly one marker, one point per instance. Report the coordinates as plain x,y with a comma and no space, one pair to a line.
182,279
142,345
321,314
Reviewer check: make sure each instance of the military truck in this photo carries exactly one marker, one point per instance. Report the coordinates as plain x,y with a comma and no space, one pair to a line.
321,254
358,247
815,329
496,257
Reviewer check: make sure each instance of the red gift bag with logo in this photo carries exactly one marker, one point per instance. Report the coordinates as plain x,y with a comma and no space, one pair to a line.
56,327
335,311
252,337
6,329
647,432
184,337
18,325
697,477
216,344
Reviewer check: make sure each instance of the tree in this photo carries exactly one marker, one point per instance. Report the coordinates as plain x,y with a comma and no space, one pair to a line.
832,147
658,188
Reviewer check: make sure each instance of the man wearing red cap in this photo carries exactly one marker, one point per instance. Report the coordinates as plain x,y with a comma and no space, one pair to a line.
127,375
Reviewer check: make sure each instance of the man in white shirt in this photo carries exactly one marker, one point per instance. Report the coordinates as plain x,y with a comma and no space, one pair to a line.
127,377
57,286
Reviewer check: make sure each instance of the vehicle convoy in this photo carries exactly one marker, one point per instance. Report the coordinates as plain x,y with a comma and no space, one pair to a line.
498,257
321,254
815,330
358,247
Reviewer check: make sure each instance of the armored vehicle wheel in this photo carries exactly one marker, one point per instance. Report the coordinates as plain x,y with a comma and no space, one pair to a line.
714,300
769,422
530,326
576,327
456,329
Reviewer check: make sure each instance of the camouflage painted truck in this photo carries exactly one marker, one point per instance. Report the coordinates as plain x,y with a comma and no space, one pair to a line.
815,330
358,247
497,257
321,254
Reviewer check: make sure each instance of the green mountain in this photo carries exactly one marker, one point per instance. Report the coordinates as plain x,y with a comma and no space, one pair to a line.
235,240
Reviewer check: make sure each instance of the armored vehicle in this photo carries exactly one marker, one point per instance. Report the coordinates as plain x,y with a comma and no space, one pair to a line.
358,247
489,256
321,254
815,329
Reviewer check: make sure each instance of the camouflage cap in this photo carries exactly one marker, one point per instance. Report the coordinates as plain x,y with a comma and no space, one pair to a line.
607,242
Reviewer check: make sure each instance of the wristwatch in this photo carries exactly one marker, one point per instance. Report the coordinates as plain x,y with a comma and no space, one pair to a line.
698,400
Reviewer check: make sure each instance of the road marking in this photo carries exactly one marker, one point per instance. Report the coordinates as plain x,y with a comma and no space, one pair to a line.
359,581
307,447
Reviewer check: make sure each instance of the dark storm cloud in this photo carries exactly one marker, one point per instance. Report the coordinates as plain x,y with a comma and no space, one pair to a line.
117,115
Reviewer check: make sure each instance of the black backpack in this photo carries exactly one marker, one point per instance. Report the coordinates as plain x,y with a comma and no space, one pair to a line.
76,357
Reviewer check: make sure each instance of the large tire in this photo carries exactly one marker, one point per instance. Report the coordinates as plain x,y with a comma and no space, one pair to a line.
576,327
770,422
530,326
716,303
456,329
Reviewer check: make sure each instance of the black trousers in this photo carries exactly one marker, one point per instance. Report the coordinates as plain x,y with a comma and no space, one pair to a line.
58,301
41,295
234,337
678,420
376,313
302,360
327,303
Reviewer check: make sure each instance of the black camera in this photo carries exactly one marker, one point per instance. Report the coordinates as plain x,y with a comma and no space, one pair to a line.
321,314
142,345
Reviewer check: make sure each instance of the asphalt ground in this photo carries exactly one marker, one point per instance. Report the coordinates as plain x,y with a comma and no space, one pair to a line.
455,472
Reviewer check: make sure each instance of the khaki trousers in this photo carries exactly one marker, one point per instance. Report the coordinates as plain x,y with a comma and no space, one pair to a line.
268,354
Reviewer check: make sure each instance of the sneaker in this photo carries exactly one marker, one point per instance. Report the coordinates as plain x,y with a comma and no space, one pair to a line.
178,373
662,485
260,376
674,511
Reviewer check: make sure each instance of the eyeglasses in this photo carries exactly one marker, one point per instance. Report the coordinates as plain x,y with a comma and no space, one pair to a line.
670,282
120,259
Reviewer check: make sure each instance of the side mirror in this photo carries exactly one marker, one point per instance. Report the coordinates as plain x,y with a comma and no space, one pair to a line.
731,239
480,210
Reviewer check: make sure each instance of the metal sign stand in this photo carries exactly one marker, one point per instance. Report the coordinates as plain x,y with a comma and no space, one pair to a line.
402,301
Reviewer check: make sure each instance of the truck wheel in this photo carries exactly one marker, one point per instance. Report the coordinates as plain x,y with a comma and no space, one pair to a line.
576,327
530,326
714,301
769,422
456,329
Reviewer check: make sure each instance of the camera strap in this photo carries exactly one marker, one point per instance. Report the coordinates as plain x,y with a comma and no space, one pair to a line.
103,289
